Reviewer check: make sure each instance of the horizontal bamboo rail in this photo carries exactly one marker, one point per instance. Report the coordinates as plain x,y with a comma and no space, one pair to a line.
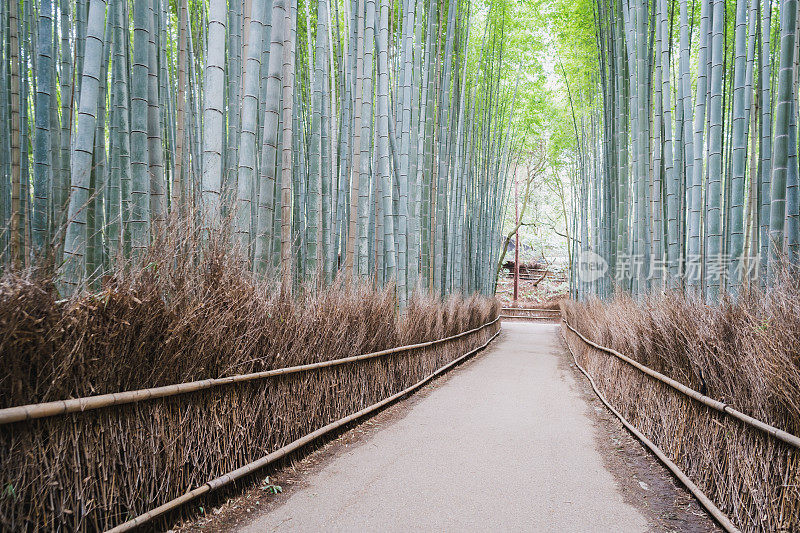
704,500
717,405
60,407
531,317
289,448
528,312
531,309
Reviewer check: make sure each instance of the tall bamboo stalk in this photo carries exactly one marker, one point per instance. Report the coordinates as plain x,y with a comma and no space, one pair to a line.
73,269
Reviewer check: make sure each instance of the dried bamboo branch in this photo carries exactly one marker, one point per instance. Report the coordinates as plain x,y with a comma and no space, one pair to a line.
61,407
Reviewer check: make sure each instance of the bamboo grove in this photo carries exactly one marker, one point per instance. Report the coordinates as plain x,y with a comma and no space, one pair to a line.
687,166
358,137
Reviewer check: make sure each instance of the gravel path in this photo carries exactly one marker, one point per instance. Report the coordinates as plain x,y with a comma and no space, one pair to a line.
507,443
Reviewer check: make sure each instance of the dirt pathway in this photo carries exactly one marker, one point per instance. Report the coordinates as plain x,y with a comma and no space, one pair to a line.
511,441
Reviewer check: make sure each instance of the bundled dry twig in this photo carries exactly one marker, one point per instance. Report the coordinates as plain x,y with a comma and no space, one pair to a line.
180,316
745,353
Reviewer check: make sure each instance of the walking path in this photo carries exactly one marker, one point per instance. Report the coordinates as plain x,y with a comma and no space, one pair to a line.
512,440
506,443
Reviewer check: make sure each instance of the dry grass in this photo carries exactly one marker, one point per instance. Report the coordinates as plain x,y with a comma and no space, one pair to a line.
181,316
745,353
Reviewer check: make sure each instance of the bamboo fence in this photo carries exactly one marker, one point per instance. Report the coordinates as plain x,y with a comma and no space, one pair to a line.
704,500
250,468
788,438
91,464
749,469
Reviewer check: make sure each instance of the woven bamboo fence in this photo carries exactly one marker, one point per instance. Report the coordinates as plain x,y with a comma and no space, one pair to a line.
749,469
90,469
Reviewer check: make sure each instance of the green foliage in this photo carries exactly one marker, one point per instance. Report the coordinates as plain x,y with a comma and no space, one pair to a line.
551,45
271,488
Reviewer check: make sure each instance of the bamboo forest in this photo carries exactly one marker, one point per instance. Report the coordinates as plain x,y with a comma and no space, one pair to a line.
364,138
399,265
687,152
